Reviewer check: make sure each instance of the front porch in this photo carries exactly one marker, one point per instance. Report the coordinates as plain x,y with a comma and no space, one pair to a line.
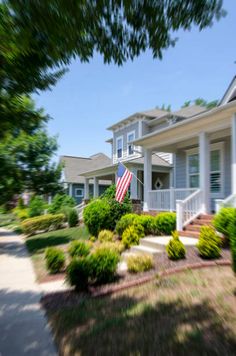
204,174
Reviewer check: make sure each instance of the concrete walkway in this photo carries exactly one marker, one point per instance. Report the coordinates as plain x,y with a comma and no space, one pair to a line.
23,325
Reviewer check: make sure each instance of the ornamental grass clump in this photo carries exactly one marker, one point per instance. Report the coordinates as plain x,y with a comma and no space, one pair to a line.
105,236
79,249
139,263
104,262
222,221
232,235
175,248
209,244
55,259
78,272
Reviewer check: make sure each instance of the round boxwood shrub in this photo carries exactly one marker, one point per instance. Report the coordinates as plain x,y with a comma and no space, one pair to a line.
105,235
79,249
209,243
131,236
55,259
126,221
148,223
223,219
139,263
96,216
78,272
165,223
72,217
104,261
175,248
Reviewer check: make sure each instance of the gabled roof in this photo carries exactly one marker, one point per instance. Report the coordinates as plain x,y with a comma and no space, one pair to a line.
230,93
189,111
73,166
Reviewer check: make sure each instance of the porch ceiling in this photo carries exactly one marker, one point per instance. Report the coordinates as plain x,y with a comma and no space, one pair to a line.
213,121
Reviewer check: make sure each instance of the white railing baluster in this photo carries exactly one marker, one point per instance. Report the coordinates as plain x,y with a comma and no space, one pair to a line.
230,201
165,199
188,209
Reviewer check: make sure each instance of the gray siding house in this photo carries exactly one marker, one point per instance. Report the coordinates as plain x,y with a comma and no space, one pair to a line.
72,180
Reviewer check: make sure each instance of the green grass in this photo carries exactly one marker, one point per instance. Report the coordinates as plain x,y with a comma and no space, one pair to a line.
37,245
173,316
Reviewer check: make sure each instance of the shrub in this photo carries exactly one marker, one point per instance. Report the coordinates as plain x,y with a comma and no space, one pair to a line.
105,235
148,223
72,217
79,249
78,272
21,214
175,248
42,223
209,243
59,202
117,246
165,223
223,219
96,216
36,206
117,209
139,263
20,203
55,259
126,221
130,236
232,234
104,261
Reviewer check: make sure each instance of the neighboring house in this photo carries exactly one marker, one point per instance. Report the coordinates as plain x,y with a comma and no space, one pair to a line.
74,182
203,145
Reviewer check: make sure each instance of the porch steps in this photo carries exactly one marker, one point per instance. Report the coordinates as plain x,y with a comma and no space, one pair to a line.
193,229
141,249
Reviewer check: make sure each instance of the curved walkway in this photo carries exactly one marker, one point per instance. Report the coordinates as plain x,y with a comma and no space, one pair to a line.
23,325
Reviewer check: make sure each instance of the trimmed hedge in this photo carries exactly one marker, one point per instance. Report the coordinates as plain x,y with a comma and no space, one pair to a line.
165,223
42,223
209,243
126,221
148,223
140,263
55,259
175,248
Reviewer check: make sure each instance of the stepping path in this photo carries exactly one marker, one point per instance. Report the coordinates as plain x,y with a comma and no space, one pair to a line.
23,325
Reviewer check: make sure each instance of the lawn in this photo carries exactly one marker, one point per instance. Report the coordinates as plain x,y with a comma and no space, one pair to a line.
61,238
192,313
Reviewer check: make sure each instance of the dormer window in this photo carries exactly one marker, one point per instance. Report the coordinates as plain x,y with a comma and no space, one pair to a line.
119,147
130,146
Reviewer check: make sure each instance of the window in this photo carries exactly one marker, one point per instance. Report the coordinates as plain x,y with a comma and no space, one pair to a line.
130,146
119,147
79,192
215,176
193,170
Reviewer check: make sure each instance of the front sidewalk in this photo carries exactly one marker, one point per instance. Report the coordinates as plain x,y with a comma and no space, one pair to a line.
23,325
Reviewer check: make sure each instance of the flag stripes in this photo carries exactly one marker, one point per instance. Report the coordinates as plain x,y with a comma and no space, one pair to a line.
123,182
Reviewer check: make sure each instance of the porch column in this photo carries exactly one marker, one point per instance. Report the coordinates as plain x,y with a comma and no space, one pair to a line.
95,187
147,175
70,190
134,185
233,164
86,189
204,176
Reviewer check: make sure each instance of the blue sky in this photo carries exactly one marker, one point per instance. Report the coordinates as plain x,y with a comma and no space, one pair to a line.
93,96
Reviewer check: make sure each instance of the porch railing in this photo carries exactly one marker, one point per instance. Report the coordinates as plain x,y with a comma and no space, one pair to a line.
165,199
230,201
188,209
80,209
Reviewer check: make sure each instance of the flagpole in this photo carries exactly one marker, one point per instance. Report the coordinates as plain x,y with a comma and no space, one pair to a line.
132,173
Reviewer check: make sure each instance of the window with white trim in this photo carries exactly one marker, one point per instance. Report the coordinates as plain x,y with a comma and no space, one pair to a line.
215,174
193,170
79,192
130,146
119,147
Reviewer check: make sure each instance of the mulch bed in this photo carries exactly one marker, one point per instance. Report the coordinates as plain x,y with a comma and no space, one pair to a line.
163,266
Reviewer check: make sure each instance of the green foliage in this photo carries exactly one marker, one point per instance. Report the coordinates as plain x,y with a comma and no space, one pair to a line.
165,223
96,216
42,223
20,203
125,221
117,246
148,223
130,236
201,102
223,219
36,206
105,236
55,259
79,249
117,210
139,263
78,272
60,202
104,261
232,235
21,214
73,218
175,248
209,243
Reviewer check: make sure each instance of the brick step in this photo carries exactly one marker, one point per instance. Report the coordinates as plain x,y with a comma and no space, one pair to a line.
202,222
189,233
193,227
206,217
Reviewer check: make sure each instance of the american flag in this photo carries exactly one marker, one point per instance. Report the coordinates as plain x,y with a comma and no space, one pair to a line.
124,177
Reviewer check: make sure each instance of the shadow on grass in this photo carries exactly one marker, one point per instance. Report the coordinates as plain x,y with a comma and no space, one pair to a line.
127,326
38,244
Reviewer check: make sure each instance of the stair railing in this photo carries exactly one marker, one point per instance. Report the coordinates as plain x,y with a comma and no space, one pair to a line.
188,209
230,201
80,209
